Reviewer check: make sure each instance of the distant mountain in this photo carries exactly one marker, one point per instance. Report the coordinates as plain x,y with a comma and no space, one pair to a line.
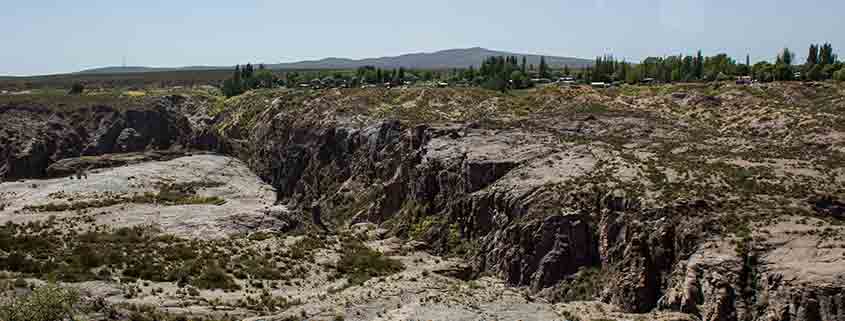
138,69
453,58
446,59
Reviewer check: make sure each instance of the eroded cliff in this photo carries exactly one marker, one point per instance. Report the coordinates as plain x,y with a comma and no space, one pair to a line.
719,201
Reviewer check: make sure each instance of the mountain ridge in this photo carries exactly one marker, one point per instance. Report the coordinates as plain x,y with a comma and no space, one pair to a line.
443,59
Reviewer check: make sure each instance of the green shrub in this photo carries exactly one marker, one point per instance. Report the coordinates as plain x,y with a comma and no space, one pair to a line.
46,303
582,286
213,277
305,248
569,316
76,89
359,263
839,75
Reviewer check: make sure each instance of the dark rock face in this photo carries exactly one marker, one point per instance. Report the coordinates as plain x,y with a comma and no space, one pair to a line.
458,185
454,185
33,139
38,136
450,185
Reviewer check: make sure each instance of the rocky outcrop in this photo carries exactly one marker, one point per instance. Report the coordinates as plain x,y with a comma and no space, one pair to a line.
78,165
709,284
38,136
130,140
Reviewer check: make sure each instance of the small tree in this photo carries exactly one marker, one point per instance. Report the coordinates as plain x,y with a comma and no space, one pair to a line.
76,89
264,78
815,73
544,68
519,80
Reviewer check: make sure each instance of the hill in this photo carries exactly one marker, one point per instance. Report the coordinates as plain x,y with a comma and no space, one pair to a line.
453,58
445,59
139,69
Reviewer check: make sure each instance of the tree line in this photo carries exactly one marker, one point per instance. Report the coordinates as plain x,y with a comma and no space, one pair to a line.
821,64
504,73
247,78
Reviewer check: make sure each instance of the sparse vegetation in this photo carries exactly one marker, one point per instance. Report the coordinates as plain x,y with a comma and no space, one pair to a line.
45,303
131,254
359,263
582,286
168,195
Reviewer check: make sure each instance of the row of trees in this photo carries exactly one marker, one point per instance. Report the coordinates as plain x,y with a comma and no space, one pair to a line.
669,69
247,78
373,75
821,64
504,73
500,73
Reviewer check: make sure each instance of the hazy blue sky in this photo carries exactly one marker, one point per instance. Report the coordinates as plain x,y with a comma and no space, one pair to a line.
40,36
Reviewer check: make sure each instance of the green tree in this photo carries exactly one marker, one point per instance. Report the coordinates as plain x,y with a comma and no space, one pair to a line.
829,70
519,80
292,79
634,76
815,72
785,57
496,83
783,65
76,89
839,75
699,66
812,56
763,71
233,86
748,64
265,78
544,68
524,65
826,55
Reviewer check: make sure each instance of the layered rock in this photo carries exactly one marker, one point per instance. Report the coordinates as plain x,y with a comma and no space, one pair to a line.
38,136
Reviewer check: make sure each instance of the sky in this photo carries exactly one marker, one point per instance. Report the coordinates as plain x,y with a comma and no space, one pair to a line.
47,37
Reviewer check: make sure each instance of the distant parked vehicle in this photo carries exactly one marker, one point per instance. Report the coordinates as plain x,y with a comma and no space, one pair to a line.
566,81
443,84
600,84
743,80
